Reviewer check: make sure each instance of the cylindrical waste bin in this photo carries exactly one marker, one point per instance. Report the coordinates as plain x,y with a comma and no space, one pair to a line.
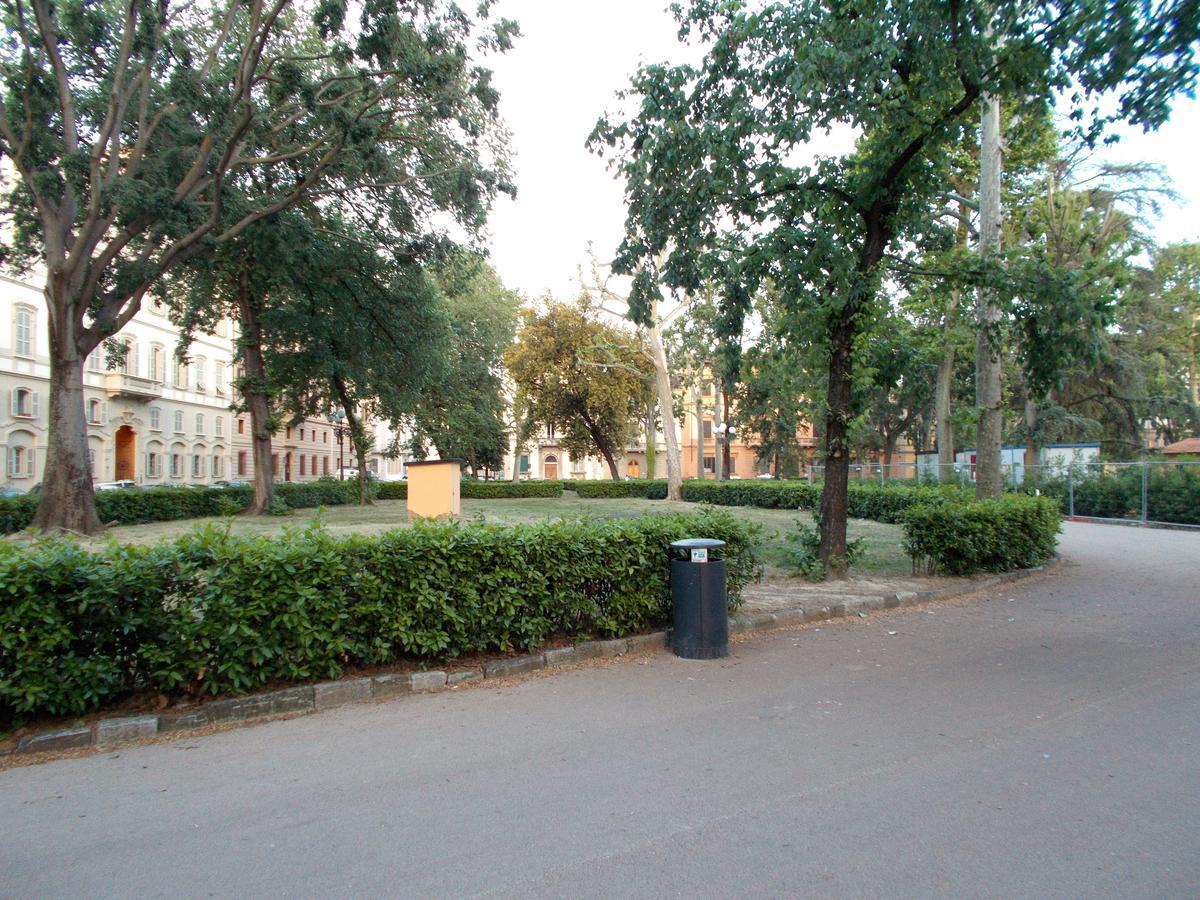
699,603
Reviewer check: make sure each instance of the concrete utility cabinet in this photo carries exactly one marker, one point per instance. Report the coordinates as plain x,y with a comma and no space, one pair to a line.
434,487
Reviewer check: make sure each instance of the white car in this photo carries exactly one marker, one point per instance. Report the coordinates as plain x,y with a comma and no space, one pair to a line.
115,485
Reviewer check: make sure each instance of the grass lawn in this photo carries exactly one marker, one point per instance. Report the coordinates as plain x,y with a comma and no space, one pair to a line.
884,554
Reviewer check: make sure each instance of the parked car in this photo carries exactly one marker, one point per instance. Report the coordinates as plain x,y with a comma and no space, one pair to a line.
121,485
231,484
10,492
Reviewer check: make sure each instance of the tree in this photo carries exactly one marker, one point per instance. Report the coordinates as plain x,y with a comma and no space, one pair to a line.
143,135
580,376
462,412
644,308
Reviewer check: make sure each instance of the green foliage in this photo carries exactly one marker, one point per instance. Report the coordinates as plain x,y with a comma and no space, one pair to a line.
962,537
596,490
882,503
212,613
507,490
1172,493
393,490
804,551
165,504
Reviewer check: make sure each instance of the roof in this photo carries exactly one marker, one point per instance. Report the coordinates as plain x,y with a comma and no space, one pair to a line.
1187,445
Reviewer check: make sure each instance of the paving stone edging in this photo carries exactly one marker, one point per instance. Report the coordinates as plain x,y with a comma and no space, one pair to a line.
116,731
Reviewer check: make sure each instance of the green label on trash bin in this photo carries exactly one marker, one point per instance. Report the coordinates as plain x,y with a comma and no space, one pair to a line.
700,555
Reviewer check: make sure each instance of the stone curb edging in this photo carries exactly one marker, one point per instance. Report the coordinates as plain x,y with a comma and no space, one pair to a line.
110,733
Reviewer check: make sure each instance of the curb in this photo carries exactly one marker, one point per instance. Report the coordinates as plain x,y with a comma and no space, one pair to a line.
118,731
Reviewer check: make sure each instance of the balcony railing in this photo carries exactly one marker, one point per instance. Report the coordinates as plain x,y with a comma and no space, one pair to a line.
131,387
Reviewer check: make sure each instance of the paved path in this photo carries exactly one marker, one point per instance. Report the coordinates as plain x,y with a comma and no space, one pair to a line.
1045,747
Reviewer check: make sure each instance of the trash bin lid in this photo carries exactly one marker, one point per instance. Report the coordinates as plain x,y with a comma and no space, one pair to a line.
697,544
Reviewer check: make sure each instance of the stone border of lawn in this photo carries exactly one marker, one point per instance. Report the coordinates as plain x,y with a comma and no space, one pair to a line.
117,731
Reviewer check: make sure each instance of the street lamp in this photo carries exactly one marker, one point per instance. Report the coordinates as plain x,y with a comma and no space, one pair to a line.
336,418
725,433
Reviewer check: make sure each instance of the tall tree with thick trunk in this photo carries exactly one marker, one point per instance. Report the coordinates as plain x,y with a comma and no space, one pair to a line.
989,398
128,125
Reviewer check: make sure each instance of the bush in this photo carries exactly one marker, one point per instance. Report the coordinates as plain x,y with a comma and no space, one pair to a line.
961,537
164,504
765,494
507,490
393,490
213,613
607,490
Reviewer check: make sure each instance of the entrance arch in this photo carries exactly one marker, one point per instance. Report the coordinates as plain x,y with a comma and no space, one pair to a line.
550,468
126,454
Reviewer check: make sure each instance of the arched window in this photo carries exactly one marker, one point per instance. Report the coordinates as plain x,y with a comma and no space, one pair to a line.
197,465
200,369
181,375
155,419
550,467
219,377
156,369
178,421
177,453
217,466
23,321
96,412
20,459
219,426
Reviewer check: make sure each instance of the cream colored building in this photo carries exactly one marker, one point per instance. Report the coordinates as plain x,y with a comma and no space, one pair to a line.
151,420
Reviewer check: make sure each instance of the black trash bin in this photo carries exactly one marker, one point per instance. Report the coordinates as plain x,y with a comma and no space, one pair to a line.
699,603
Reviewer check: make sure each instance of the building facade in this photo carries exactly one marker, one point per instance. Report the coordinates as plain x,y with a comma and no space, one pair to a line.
150,419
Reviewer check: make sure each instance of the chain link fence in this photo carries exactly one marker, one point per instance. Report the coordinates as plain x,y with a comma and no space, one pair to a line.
1152,492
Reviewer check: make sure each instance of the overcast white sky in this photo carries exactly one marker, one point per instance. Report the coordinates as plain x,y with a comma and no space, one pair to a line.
565,71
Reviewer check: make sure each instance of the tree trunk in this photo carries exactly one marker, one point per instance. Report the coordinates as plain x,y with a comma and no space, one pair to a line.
259,403
1032,467
889,449
651,449
358,434
68,499
718,418
778,464
834,496
699,434
942,392
666,412
725,453
988,396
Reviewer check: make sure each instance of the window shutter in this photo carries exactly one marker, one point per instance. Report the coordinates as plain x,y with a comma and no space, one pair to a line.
29,462
104,412
12,460
33,400
12,404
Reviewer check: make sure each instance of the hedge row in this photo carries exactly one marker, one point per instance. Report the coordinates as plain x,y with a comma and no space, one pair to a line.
597,490
507,490
136,507
883,503
1172,494
212,613
962,537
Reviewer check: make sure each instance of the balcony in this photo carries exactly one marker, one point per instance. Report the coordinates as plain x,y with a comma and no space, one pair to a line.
131,387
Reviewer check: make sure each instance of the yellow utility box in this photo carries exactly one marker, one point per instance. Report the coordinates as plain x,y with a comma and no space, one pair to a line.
434,487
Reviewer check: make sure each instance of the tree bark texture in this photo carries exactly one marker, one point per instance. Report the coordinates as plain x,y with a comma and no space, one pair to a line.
834,498
666,412
699,434
259,404
942,398
988,395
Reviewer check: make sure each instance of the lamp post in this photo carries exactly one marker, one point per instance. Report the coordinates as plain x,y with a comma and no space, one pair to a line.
725,433
336,418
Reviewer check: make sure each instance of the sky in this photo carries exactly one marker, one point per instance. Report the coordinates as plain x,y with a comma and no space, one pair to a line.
564,73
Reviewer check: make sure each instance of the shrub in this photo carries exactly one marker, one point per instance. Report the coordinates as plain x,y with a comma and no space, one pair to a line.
607,490
804,551
393,490
961,537
214,613
507,490
765,494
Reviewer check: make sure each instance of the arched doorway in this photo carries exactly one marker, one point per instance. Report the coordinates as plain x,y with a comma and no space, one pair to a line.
126,446
550,468
633,469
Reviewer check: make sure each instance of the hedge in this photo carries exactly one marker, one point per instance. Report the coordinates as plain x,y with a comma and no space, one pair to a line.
507,490
393,490
1172,493
213,613
135,507
883,503
600,489
960,537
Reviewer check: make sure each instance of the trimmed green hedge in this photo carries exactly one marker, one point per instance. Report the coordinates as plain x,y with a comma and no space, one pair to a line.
393,490
598,490
136,507
962,537
1172,493
507,490
883,503
212,613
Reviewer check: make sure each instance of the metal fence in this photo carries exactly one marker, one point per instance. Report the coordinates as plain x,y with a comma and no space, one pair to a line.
1149,492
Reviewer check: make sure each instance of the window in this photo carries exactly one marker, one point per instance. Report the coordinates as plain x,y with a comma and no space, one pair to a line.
550,432
302,472
199,366
95,362
178,421
176,465
219,377
241,426
710,463
24,403
289,434
241,465
128,361
153,463
95,412
325,466
326,437
219,426
197,465
707,429
155,419
181,375
155,369
732,465
23,331
312,464
216,465
274,463
199,423
20,462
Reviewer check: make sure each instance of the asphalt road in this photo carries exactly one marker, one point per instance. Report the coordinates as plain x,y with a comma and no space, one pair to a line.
1043,746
